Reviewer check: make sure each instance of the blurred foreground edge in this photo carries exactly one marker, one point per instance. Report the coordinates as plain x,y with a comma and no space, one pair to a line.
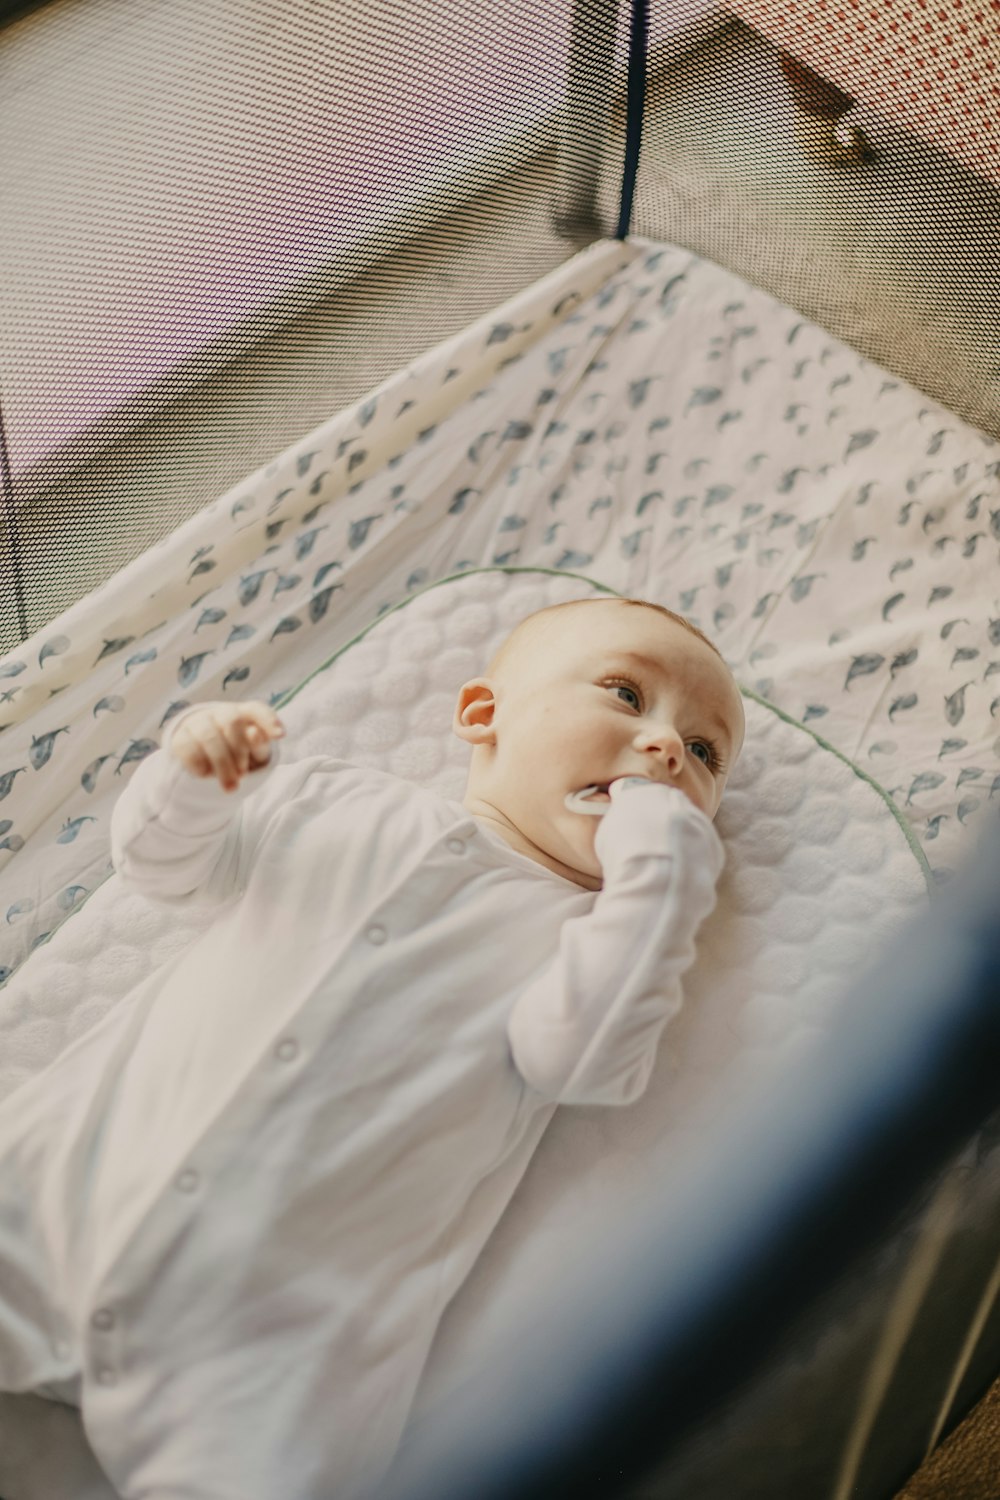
610,1368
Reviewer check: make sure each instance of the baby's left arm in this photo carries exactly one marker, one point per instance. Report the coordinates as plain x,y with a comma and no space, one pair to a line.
585,1031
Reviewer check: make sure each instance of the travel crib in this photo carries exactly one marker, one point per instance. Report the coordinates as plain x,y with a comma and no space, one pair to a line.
641,419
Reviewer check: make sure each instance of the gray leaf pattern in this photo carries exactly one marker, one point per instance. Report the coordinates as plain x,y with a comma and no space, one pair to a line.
768,444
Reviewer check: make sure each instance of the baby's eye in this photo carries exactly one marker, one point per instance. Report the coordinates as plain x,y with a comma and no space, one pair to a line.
624,687
710,754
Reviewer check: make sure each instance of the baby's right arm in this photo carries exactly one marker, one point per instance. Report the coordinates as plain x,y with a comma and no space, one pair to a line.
174,836
224,739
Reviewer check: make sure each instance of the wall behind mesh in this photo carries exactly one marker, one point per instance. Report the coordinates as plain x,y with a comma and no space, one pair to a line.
860,220
225,222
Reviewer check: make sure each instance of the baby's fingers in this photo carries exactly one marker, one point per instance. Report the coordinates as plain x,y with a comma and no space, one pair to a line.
257,739
219,743
263,721
248,743
238,744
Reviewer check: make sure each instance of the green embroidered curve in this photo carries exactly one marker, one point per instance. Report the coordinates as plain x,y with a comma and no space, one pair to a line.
603,588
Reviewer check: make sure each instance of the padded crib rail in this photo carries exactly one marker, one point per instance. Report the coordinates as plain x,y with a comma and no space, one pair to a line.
601,1381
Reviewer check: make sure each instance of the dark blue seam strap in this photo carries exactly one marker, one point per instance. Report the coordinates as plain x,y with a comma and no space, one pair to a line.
637,47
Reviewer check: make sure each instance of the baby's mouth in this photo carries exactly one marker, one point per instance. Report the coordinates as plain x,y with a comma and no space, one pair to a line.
591,798
597,791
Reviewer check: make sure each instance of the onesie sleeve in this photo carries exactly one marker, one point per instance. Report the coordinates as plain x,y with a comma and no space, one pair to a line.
183,840
585,1030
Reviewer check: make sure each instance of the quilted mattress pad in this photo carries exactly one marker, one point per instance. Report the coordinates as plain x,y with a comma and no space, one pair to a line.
819,872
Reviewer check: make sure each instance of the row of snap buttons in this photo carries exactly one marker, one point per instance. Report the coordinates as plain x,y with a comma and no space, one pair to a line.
189,1179
377,933
104,1319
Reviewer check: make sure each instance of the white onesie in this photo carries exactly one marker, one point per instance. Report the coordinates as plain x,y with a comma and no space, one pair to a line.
232,1213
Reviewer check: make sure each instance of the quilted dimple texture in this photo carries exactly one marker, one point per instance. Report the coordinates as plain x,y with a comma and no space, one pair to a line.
818,871
782,791
400,686
474,624
799,907
751,889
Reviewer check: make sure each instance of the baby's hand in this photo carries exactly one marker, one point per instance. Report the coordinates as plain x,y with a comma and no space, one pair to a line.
226,740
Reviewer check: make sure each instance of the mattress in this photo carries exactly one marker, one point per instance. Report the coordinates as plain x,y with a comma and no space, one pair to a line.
815,851
640,421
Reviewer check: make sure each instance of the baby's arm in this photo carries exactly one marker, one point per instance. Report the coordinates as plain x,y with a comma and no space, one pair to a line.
585,1031
178,838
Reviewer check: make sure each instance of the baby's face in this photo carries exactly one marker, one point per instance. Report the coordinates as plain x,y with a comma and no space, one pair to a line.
601,693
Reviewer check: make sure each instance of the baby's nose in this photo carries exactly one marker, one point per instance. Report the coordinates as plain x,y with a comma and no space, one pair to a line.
669,745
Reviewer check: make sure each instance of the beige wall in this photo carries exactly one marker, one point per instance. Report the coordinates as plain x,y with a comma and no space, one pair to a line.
180,177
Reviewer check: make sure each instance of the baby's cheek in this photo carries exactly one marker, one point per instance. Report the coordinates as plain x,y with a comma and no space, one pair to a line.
714,802
703,800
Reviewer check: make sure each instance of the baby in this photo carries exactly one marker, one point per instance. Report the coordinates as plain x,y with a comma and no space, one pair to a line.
233,1212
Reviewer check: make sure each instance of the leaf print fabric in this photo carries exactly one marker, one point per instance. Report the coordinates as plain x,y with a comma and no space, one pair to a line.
640,416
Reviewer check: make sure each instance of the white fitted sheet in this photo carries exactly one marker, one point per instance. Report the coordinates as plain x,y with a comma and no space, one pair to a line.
642,418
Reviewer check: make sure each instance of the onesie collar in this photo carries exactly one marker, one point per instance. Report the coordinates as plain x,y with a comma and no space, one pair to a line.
471,824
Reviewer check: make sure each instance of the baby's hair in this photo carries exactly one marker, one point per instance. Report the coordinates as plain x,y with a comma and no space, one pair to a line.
608,599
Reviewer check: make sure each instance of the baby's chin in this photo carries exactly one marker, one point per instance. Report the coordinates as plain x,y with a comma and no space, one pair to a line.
569,850
578,847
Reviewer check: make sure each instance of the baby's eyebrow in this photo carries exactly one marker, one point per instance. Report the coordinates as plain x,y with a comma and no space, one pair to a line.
652,665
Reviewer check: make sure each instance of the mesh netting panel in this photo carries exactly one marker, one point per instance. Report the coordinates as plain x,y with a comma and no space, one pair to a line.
864,193
224,222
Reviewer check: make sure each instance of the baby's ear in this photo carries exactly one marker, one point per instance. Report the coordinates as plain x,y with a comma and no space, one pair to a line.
473,721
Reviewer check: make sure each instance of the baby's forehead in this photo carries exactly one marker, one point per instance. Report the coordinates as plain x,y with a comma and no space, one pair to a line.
563,645
673,652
